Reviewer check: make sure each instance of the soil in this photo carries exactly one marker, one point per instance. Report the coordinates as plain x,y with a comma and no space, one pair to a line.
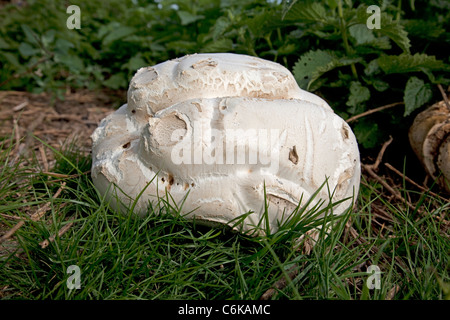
24,115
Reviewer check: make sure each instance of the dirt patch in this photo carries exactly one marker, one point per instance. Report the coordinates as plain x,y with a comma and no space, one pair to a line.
24,115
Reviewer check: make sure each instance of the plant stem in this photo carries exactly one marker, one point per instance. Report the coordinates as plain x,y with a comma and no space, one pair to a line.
399,10
344,36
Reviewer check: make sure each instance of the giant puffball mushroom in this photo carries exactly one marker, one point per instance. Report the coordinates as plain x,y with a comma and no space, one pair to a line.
220,132
429,137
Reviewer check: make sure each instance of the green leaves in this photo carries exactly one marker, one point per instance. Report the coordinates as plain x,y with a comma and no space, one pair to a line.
118,33
388,27
358,94
188,18
313,64
417,93
27,50
307,12
405,63
395,31
367,133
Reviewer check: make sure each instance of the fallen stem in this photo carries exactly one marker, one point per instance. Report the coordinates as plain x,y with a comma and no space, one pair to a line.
373,111
447,103
38,214
413,182
44,244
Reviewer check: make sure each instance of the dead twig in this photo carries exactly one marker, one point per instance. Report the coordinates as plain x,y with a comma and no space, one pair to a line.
371,168
44,244
281,283
381,154
394,192
359,240
391,294
447,103
20,106
373,111
413,182
43,157
37,215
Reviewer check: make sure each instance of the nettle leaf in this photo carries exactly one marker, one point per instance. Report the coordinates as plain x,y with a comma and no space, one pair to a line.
218,29
417,93
367,133
313,64
307,12
361,34
358,94
30,34
396,32
4,44
11,58
423,29
73,62
405,63
118,33
134,63
188,18
222,45
116,81
27,50
388,27
372,68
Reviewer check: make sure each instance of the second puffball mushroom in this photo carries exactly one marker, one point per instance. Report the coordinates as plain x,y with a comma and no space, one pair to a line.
223,133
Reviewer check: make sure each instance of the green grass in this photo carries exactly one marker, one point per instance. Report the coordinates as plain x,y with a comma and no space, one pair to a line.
166,257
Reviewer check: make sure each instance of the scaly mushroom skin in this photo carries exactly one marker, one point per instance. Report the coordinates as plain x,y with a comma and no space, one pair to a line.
429,137
218,129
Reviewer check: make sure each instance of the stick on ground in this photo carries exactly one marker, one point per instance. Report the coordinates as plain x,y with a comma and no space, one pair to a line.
38,214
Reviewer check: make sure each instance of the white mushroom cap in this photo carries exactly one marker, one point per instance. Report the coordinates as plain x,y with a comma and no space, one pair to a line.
211,76
218,129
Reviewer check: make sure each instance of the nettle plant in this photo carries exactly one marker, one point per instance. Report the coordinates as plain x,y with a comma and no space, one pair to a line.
369,60
326,44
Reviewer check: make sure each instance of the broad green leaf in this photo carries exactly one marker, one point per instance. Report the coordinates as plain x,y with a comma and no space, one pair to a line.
4,44
309,67
313,64
307,12
187,17
358,94
27,50
29,34
423,29
73,62
62,46
416,94
48,37
361,34
116,81
134,63
11,58
406,63
388,27
118,33
367,133
221,25
221,45
380,85
372,68
364,36
395,31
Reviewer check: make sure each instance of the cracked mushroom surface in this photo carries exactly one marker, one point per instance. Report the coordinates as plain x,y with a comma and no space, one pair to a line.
429,137
215,130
